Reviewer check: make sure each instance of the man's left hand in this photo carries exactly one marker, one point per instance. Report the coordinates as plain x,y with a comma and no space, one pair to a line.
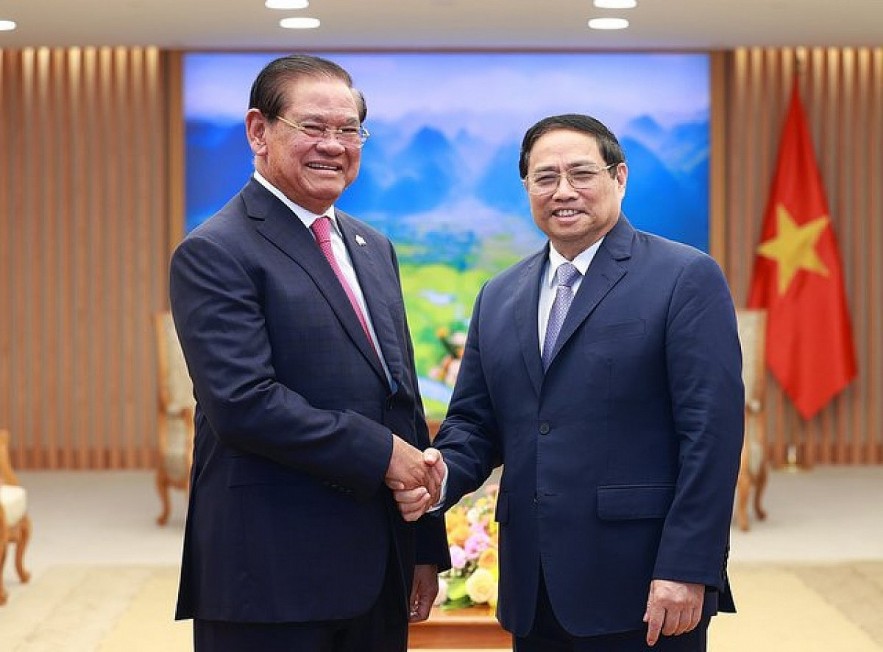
423,592
673,608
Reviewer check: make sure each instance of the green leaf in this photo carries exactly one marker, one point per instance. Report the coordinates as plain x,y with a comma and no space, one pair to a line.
460,603
456,589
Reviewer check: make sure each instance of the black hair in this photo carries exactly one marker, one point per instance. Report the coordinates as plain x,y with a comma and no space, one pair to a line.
611,151
267,92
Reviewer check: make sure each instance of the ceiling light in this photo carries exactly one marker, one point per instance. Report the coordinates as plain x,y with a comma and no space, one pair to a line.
7,25
300,22
608,23
287,4
616,4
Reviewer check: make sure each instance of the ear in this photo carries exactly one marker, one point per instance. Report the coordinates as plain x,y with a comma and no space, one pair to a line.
622,175
256,131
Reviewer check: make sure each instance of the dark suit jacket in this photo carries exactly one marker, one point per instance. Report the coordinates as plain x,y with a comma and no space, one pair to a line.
620,462
289,519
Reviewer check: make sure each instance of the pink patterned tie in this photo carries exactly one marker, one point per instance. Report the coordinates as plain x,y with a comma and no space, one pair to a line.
321,228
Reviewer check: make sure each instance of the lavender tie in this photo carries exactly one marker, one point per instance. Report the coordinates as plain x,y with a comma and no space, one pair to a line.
565,276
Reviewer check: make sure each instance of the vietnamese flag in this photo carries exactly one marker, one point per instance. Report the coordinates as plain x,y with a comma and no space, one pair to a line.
798,278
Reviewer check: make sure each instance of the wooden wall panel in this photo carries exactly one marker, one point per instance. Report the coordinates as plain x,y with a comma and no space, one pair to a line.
841,90
84,233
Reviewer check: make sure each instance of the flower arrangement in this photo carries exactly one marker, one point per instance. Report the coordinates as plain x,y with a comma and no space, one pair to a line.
474,544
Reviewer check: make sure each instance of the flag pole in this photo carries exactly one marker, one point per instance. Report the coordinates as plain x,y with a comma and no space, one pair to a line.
792,463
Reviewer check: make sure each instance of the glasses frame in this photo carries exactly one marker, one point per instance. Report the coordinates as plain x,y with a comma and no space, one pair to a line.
335,132
567,175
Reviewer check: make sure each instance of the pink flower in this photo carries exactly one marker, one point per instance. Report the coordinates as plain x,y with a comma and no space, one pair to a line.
472,538
458,557
477,542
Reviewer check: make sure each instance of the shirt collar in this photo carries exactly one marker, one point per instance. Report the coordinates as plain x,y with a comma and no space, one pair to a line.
581,262
304,215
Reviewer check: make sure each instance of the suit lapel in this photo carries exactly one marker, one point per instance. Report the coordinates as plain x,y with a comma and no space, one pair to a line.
527,298
368,260
606,270
285,231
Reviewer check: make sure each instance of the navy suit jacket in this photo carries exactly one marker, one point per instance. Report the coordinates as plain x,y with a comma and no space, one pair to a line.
620,461
289,519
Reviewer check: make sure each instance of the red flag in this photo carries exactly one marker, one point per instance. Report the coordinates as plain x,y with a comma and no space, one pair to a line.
798,277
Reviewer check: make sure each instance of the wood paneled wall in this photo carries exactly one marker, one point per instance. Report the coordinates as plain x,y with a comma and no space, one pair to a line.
842,90
91,204
84,240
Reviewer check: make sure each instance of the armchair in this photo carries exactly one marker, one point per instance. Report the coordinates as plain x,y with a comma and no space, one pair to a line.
753,469
175,416
15,526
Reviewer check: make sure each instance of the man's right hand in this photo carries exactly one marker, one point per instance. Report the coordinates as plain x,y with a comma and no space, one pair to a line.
414,503
417,474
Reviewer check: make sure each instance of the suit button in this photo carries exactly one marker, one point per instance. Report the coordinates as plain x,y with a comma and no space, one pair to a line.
544,428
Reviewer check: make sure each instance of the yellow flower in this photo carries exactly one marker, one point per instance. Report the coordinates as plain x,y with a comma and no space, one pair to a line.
481,587
455,519
488,559
473,539
458,535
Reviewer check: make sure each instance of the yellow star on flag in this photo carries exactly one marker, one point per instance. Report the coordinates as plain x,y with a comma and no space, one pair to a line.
794,247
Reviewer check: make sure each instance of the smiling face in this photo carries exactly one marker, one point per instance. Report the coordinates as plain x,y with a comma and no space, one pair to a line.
311,173
575,219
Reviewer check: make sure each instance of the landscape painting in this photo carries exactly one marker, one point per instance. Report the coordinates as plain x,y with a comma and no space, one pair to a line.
439,173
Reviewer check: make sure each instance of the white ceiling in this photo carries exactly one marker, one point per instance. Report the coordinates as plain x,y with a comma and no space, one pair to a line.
442,24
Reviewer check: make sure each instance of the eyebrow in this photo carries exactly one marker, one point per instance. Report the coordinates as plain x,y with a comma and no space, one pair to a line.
570,166
313,117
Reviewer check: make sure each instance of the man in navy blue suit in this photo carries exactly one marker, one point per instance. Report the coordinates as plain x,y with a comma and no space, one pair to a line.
291,318
615,409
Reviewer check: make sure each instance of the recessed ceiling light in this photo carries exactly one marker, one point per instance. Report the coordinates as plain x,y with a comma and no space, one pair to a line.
616,4
608,23
287,4
300,22
7,25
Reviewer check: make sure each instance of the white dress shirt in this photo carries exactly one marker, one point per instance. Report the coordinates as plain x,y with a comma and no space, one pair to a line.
341,255
548,285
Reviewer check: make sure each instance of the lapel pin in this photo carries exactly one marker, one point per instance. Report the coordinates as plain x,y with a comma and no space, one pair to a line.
360,240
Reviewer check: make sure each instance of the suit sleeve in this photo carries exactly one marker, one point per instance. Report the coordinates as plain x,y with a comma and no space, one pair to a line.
704,369
469,436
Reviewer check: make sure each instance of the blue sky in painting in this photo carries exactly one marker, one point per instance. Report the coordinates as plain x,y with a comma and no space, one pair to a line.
446,128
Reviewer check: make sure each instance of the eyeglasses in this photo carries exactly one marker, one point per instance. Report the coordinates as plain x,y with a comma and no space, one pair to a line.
346,136
579,178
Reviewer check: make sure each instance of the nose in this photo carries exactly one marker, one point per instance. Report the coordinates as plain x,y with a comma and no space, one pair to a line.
329,142
564,187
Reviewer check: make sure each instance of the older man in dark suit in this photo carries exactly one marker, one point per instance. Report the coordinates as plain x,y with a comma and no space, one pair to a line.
604,372
292,322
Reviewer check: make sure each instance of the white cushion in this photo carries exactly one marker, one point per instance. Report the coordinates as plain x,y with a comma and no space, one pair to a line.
177,449
15,502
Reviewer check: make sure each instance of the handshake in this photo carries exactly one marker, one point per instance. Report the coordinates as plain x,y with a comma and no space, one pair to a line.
415,478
